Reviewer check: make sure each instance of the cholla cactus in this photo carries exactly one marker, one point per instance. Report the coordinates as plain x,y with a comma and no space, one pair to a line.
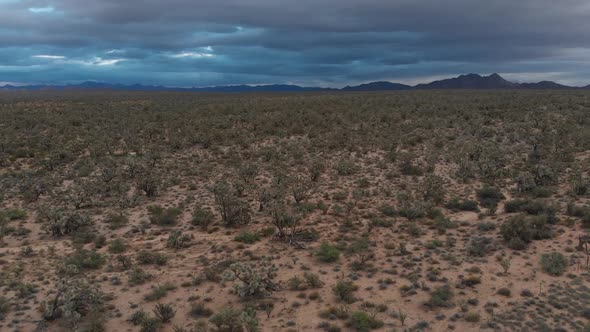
179,240
256,279
59,222
75,298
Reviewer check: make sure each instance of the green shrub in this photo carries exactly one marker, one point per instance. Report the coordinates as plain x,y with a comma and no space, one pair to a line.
489,197
4,307
515,205
85,260
232,319
150,324
162,216
344,291
178,240
328,253
138,276
199,309
363,322
247,237
116,220
472,317
14,214
159,292
441,297
234,211
202,217
164,312
117,246
346,167
457,204
504,292
147,257
554,263
388,210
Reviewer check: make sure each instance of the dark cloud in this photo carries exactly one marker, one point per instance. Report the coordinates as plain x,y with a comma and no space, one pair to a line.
204,42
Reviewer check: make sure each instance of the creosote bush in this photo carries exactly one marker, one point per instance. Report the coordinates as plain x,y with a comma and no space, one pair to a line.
163,216
328,253
554,263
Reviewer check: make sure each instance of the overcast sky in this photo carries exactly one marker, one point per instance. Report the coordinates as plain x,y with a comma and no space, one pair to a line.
306,42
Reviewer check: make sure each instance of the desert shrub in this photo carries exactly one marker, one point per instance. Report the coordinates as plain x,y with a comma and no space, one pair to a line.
441,297
441,223
472,317
138,276
489,197
408,168
148,257
117,246
479,246
150,324
84,259
164,312
300,189
363,322
232,319
199,309
312,280
515,205
379,222
344,291
388,210
457,204
328,253
432,188
486,226
554,263
149,184
159,292
178,239
14,214
74,299
504,292
255,280
4,307
116,220
59,222
234,211
517,232
202,217
296,283
138,316
247,237
346,167
162,216
471,280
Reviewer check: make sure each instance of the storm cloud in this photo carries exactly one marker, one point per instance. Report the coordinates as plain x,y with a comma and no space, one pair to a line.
320,42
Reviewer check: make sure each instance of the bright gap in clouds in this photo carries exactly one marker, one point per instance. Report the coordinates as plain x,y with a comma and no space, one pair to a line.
46,56
41,10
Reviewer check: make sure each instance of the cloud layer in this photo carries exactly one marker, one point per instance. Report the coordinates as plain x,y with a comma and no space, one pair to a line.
320,42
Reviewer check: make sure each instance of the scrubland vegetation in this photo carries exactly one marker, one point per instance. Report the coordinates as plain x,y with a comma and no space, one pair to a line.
409,211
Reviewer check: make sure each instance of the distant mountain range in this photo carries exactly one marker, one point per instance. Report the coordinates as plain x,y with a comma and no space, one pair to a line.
469,81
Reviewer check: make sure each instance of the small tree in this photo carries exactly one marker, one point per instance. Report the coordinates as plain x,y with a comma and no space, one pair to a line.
234,211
